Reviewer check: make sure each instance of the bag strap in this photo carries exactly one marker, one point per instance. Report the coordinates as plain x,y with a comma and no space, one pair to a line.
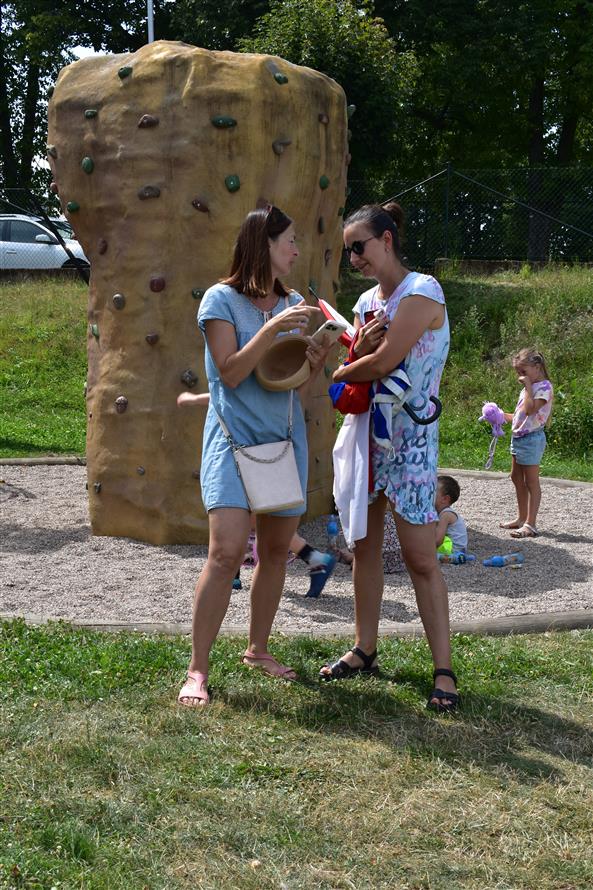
227,433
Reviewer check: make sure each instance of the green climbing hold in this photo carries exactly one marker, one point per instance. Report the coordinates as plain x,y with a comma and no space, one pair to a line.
223,122
124,71
72,206
88,165
233,183
321,225
50,92
280,78
350,109
52,151
323,182
91,112
94,328
341,211
197,293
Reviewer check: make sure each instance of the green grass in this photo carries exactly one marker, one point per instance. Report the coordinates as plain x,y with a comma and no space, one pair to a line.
42,366
107,784
43,362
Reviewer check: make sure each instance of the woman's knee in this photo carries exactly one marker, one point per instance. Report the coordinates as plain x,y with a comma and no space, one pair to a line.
420,562
225,557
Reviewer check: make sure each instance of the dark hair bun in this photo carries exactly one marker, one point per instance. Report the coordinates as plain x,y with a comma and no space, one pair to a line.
396,213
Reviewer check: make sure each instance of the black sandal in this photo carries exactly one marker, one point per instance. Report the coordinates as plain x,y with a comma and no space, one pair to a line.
454,699
341,670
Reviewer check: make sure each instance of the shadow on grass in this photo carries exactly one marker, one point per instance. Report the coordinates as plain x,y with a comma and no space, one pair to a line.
488,730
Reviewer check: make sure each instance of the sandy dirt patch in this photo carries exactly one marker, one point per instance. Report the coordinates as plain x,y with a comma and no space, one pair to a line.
51,565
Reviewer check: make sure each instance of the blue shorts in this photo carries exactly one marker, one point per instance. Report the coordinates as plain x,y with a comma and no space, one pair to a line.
528,450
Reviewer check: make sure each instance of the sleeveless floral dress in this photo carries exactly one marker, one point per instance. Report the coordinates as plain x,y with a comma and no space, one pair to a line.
407,472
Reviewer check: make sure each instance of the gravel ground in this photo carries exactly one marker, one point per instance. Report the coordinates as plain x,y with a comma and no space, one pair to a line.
51,565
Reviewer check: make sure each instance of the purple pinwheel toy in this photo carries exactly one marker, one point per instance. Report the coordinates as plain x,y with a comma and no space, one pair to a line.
495,417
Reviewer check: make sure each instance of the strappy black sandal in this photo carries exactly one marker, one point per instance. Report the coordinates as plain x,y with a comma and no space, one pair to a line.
341,670
454,699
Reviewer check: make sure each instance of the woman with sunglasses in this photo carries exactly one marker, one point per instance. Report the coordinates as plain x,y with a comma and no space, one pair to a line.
414,328
240,318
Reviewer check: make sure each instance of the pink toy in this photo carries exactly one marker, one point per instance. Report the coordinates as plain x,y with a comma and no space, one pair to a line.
495,417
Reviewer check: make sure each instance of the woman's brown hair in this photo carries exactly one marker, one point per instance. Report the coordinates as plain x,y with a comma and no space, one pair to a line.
381,218
251,269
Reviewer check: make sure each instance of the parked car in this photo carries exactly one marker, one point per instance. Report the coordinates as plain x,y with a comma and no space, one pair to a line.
27,243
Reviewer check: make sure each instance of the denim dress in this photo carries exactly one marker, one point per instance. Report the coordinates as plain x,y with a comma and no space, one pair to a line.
252,414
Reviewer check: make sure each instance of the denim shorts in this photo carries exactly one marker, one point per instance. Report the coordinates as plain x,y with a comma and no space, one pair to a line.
528,450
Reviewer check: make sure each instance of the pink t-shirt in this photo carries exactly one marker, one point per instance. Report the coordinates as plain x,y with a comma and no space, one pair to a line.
528,423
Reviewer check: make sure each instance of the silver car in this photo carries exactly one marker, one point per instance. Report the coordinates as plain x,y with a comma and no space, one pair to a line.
27,243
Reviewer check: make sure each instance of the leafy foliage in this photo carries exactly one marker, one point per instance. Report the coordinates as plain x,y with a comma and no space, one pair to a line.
343,39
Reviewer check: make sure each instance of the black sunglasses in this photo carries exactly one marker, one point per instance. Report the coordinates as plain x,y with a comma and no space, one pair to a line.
357,247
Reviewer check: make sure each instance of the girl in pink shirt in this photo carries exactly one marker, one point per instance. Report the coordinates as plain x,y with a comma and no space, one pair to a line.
528,439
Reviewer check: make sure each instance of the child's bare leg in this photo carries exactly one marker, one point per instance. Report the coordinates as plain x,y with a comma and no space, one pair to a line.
531,476
518,480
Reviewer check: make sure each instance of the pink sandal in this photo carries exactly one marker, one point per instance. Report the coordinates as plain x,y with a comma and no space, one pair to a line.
194,692
269,665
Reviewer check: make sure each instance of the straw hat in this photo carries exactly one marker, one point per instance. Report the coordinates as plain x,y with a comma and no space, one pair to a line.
284,365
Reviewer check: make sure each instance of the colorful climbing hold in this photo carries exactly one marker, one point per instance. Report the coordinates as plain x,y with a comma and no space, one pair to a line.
321,225
157,284
97,487
151,339
323,181
223,122
189,378
53,187
121,403
200,205
280,78
101,246
141,471
350,109
148,120
197,293
279,145
323,118
149,191
52,151
88,165
94,329
72,206
327,256
90,113
232,182
119,301
341,211
50,92
124,71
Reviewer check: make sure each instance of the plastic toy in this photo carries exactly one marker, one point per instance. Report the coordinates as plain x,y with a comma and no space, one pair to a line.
493,415
508,559
456,558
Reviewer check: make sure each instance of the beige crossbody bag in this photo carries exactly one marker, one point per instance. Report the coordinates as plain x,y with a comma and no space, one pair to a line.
269,471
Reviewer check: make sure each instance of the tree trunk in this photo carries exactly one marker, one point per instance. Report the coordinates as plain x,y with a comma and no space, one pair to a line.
27,142
7,157
539,228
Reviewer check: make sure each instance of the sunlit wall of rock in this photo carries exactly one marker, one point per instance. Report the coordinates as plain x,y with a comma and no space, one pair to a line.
157,156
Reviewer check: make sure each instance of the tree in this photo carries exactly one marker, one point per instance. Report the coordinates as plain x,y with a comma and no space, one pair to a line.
343,39
36,37
207,24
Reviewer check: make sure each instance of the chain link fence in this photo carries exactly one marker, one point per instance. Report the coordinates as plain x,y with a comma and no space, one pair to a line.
537,215
34,238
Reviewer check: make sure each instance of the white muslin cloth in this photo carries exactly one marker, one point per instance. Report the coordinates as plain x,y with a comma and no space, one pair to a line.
351,476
